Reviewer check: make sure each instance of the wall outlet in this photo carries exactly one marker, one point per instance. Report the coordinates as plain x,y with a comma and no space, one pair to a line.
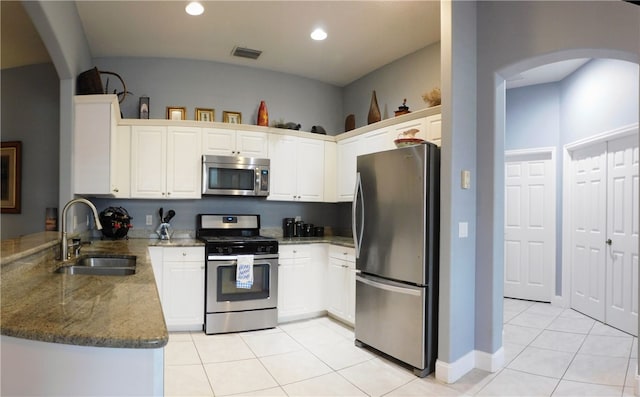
149,220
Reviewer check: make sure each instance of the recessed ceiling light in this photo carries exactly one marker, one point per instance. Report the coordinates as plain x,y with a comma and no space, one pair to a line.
194,8
319,34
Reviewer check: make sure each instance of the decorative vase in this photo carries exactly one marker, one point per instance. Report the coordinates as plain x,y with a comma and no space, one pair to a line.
263,115
374,110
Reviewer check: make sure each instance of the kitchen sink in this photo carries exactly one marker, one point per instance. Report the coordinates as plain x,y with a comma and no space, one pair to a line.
101,265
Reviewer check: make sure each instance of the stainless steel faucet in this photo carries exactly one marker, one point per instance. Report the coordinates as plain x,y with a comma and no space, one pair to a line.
63,226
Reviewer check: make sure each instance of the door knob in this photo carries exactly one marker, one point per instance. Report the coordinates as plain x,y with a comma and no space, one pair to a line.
609,241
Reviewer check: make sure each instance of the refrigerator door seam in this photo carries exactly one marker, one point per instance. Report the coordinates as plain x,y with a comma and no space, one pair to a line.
387,287
357,239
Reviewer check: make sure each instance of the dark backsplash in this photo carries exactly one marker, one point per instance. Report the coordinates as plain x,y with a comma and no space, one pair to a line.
337,216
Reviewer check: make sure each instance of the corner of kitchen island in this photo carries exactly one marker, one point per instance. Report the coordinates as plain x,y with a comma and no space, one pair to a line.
67,334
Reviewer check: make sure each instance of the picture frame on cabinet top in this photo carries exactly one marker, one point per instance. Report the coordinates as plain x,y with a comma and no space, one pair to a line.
232,117
203,114
176,113
144,107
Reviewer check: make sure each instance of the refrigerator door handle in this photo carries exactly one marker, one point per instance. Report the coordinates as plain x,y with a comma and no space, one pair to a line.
389,287
357,237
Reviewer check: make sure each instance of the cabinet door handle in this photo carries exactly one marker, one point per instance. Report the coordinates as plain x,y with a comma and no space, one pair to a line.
116,190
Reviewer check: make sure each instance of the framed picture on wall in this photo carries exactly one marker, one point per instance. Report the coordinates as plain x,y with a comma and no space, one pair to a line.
232,117
176,113
203,114
10,176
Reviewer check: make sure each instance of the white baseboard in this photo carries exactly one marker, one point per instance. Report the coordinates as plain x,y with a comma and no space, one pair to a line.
490,362
637,384
451,372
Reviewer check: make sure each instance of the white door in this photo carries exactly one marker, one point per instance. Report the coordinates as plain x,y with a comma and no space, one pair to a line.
588,215
529,244
604,219
622,235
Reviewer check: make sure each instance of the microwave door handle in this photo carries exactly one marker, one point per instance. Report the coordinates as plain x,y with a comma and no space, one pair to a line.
357,237
256,186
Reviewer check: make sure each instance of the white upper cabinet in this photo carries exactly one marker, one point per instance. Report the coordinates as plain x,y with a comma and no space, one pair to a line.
165,162
223,142
347,155
297,168
434,129
99,148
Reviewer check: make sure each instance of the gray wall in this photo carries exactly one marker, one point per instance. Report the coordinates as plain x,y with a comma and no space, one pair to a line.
600,96
409,77
190,83
513,37
30,113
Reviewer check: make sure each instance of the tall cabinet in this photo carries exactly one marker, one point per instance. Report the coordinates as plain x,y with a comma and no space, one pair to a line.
100,147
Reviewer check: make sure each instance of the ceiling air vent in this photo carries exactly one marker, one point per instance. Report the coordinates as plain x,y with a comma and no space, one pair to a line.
246,53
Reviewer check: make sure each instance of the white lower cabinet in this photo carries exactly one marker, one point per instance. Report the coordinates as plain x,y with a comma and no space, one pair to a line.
301,281
179,273
341,284
314,279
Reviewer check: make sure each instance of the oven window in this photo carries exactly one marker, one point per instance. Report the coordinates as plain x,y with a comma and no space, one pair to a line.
231,179
227,290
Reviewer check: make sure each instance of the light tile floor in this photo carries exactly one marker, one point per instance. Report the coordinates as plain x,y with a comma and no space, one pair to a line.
549,351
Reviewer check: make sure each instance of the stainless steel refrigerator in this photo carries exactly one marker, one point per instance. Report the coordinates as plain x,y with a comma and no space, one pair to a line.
396,231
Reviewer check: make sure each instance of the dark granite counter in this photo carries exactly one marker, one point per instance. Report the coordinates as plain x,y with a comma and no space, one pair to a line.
102,311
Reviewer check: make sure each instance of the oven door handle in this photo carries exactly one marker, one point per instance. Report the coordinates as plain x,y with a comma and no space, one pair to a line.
220,258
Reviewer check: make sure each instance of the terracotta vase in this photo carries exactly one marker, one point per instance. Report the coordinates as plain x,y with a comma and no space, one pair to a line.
374,110
263,115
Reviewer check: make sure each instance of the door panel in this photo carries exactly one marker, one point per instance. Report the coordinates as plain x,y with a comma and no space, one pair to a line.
622,230
588,230
529,226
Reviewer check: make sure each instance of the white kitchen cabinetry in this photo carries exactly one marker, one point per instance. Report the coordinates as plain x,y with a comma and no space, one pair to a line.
100,148
347,155
429,128
297,168
330,172
223,142
341,284
377,141
301,281
434,129
165,162
179,273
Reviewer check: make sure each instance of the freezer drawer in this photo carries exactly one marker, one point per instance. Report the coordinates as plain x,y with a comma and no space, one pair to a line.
390,317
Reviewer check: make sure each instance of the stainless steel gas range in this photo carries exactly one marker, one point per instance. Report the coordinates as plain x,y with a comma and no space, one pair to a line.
241,289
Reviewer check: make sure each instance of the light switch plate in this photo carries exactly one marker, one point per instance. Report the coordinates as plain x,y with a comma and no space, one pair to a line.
465,179
463,229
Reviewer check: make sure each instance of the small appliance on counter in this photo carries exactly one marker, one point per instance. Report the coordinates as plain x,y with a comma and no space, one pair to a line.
288,226
296,227
115,221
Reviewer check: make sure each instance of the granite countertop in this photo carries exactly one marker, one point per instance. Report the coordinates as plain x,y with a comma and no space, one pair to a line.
102,311
335,240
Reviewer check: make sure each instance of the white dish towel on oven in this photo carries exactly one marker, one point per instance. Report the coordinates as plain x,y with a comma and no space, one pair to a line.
244,272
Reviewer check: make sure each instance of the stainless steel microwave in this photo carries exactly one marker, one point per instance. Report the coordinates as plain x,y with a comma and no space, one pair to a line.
235,176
